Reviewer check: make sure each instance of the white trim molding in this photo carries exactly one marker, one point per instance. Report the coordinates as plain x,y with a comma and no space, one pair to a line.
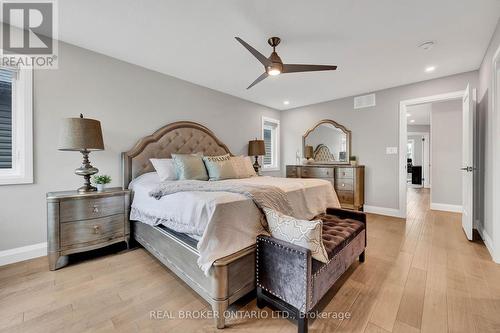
383,211
403,134
489,244
23,253
446,207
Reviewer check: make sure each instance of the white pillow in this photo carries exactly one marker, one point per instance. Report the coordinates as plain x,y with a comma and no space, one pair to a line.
308,234
242,165
165,168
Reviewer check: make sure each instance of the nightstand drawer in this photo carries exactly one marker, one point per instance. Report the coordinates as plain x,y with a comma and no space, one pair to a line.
291,172
92,230
89,208
344,173
346,197
344,184
316,173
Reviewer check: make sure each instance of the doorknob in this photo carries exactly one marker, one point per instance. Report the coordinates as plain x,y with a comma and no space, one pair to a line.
468,169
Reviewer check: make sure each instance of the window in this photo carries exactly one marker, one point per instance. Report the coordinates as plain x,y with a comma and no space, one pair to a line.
16,126
409,149
270,135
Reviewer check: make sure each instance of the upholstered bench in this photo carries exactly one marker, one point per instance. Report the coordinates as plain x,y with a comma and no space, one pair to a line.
291,280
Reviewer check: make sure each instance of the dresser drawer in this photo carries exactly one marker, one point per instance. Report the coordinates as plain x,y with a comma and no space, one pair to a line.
346,197
344,173
92,230
316,172
344,184
291,172
89,208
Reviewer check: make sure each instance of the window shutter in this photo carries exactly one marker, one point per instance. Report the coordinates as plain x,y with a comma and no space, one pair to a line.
6,76
268,160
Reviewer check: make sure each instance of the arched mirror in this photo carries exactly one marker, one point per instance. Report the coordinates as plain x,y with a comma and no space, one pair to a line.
327,142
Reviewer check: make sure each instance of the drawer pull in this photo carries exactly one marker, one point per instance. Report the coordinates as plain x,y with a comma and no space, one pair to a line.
343,185
95,209
96,229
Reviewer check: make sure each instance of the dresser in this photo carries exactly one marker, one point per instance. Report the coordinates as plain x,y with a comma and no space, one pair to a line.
348,181
81,222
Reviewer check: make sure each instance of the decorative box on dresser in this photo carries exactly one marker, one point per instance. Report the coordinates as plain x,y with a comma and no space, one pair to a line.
79,222
349,181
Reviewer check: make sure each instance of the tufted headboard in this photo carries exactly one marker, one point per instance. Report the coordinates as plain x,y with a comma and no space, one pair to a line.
323,154
183,137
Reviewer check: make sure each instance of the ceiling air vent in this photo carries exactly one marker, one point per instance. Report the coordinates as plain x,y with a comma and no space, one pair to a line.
365,101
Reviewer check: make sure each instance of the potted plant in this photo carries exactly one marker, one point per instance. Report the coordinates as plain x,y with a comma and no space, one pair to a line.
100,182
353,160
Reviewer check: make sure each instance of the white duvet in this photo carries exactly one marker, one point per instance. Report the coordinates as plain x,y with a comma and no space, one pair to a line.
223,222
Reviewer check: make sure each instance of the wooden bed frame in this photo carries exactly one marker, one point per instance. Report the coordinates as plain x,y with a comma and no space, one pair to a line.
231,277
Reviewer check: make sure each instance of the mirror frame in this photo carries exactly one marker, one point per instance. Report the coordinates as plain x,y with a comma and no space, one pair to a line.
336,125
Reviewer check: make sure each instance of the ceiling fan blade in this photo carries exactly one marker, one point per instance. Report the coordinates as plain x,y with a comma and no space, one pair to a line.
295,68
262,58
260,78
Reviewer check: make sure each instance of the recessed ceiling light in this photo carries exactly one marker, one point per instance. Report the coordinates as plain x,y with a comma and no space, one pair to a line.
430,69
412,121
427,45
408,114
286,102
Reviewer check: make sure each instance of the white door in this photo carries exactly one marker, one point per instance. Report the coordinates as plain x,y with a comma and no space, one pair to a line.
467,162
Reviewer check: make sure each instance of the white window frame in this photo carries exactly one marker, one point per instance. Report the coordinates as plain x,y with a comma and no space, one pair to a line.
22,131
275,153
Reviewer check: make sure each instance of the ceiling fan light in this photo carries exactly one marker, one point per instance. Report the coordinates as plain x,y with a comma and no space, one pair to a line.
274,72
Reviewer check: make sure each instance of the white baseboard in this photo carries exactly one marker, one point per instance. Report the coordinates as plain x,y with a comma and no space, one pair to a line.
488,242
23,253
446,207
383,211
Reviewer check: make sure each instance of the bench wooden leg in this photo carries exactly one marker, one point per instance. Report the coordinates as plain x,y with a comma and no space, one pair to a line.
302,323
362,257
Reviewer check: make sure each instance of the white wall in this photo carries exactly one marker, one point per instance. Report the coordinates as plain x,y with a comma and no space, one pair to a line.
487,141
130,102
446,151
373,129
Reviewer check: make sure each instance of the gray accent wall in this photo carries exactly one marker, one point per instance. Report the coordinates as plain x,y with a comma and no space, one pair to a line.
130,102
446,153
373,129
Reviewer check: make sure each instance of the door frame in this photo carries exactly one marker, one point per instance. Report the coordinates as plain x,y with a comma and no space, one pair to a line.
427,175
495,106
403,135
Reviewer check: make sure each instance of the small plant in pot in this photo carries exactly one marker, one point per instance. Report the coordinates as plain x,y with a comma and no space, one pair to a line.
353,160
100,182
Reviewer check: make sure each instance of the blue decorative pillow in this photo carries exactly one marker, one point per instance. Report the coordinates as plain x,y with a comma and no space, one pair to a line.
219,167
189,166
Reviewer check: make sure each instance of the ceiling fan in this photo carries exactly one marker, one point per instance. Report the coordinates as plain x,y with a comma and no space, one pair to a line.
274,66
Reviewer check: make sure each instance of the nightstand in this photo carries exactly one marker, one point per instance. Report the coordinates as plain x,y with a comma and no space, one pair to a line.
81,222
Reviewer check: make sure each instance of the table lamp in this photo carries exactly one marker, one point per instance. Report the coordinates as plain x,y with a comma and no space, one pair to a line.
256,148
83,135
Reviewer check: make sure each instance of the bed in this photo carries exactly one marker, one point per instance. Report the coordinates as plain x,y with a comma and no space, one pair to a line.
160,225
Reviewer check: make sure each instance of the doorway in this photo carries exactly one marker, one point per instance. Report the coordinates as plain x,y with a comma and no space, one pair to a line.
419,112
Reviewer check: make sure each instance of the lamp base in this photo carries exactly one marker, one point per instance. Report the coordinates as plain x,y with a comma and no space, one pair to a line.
86,170
256,165
86,189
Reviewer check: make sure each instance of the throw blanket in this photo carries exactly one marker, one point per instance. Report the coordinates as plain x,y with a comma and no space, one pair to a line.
264,196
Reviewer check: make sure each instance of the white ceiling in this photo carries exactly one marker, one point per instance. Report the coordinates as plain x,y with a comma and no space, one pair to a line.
421,114
372,42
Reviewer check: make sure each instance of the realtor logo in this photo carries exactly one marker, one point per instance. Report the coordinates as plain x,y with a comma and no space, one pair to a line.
29,33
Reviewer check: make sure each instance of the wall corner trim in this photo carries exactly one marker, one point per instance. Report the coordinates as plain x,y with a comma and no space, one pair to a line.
384,211
23,253
446,207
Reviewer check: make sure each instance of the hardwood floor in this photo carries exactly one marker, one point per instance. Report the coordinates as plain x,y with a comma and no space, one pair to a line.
420,275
